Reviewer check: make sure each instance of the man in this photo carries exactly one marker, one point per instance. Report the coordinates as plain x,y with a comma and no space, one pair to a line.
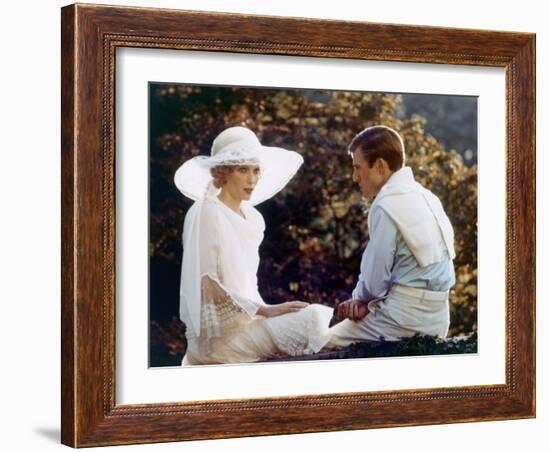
407,267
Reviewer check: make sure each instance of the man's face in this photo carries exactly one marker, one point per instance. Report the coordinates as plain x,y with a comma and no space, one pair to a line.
370,180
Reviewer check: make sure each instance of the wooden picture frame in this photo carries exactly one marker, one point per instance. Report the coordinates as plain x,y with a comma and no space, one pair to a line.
90,36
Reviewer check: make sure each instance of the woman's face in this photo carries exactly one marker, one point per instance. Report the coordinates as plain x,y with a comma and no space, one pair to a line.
240,183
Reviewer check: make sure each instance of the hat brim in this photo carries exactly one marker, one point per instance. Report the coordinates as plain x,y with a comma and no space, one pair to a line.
278,167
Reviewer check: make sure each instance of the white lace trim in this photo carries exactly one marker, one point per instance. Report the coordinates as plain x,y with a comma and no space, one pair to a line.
299,333
221,314
237,156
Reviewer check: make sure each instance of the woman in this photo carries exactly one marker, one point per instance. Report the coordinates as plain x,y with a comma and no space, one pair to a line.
227,321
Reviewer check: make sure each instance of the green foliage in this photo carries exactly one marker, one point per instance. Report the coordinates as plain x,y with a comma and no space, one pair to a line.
412,346
317,226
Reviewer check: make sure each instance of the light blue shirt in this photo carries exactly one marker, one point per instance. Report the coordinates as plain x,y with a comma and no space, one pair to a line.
387,260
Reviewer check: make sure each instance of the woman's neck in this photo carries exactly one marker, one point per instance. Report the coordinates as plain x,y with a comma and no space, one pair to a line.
230,201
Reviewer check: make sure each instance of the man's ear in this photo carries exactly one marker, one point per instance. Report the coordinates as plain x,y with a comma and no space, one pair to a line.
381,165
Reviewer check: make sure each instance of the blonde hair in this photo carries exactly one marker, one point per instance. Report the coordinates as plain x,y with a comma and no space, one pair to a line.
220,173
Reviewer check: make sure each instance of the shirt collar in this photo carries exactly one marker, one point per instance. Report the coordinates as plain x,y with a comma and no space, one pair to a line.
401,176
399,182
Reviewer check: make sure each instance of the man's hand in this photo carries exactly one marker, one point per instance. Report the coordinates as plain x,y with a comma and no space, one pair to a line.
352,309
282,308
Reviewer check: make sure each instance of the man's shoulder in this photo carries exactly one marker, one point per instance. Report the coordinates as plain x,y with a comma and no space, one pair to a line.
407,194
404,208
397,200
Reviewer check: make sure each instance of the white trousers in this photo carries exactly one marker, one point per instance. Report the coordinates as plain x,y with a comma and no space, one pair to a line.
405,312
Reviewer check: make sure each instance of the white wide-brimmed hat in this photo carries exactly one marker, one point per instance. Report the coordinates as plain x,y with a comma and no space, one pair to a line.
239,146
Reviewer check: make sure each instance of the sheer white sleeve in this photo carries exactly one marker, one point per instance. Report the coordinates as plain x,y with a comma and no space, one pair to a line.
208,306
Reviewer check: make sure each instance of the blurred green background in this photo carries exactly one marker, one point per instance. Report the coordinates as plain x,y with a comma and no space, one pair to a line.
316,228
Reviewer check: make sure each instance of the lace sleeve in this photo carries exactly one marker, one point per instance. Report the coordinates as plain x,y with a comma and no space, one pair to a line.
220,310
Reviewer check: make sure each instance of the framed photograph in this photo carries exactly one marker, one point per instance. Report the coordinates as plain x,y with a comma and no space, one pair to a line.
222,215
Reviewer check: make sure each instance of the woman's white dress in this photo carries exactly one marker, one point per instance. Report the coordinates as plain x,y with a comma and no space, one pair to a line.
220,298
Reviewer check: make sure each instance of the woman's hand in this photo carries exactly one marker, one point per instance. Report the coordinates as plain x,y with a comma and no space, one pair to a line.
282,308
